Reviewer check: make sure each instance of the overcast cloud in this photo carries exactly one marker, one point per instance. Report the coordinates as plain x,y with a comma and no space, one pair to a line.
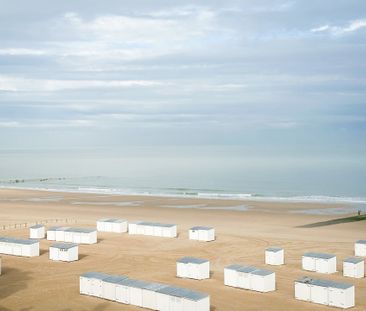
113,73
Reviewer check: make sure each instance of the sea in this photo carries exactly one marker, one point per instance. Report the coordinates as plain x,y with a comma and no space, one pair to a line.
190,171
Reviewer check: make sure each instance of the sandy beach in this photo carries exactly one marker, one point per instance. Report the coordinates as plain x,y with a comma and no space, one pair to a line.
243,228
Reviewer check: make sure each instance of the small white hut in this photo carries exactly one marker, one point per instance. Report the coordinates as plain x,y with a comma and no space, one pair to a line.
123,291
112,225
354,267
153,229
180,299
319,262
64,252
51,233
37,232
19,247
325,292
360,248
91,283
275,256
60,233
249,277
193,268
263,280
150,295
201,233
136,288
110,285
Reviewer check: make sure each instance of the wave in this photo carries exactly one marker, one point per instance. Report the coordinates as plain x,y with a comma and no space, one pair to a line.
192,193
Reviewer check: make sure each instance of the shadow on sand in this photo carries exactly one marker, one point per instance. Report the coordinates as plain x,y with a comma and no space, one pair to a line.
81,256
12,281
42,251
334,221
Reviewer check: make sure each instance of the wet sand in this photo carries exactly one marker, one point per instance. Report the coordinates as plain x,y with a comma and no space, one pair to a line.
242,235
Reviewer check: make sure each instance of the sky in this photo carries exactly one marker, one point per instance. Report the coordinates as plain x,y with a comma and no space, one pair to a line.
270,75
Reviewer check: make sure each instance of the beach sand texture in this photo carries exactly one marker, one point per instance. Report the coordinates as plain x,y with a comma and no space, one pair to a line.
242,236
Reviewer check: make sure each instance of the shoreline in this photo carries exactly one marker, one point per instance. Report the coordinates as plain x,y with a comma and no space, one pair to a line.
311,199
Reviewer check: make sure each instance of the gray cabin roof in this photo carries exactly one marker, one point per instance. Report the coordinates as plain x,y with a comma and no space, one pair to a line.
201,228
155,286
115,220
64,245
96,275
262,272
137,283
62,228
361,242
233,267
354,260
274,249
192,260
18,240
115,279
249,269
155,224
37,226
323,283
54,228
82,230
318,255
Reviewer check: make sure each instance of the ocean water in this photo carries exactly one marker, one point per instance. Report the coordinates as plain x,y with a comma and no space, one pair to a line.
212,172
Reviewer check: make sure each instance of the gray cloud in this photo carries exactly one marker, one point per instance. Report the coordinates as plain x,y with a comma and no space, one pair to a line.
225,69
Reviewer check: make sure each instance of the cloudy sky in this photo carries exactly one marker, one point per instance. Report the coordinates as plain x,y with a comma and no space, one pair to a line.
258,73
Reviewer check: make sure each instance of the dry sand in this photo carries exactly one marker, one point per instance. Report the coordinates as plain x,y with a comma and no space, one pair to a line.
40,284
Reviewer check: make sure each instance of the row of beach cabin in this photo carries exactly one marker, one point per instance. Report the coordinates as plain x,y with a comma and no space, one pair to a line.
72,235
157,296
325,292
154,296
199,233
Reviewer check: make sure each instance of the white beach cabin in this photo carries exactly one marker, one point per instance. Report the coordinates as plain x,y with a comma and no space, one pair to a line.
19,247
172,298
201,233
72,235
354,267
136,289
51,233
249,277
60,233
112,225
193,268
153,229
319,262
325,292
275,256
110,285
143,294
150,295
81,235
64,252
37,232
91,283
360,248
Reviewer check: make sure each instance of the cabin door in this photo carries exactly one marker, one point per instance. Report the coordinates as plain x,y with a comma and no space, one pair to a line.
337,297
